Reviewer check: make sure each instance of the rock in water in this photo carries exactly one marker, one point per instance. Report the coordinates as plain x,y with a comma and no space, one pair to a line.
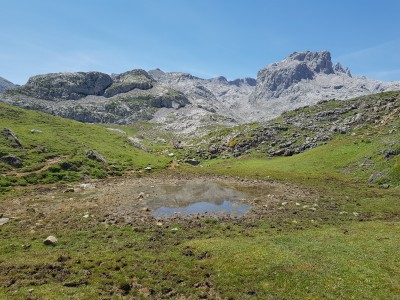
50,240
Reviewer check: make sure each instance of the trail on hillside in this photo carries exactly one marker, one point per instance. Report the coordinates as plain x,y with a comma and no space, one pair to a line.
48,163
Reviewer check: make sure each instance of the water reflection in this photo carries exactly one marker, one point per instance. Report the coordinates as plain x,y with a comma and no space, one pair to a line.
225,208
195,197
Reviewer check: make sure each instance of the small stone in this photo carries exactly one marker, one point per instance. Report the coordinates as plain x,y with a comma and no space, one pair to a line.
159,224
297,204
148,168
30,290
356,214
283,203
50,240
86,215
141,195
4,221
174,229
145,209
171,154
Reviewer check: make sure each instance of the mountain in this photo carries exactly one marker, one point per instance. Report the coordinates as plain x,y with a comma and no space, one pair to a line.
212,101
96,97
190,105
304,78
5,85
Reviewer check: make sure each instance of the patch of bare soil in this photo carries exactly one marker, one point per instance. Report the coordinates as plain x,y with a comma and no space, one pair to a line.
125,200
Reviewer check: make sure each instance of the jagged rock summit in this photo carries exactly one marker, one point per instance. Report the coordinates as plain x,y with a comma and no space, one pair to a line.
304,78
5,85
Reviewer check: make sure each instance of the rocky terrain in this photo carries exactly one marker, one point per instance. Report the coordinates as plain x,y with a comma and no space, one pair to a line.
306,128
5,85
190,105
305,78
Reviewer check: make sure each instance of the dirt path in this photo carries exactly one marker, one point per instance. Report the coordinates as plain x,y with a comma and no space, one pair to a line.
47,165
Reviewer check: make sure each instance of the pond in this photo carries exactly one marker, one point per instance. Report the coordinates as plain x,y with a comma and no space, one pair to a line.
195,197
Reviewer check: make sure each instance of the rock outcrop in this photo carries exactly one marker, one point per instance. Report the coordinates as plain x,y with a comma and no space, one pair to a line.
5,85
125,82
66,86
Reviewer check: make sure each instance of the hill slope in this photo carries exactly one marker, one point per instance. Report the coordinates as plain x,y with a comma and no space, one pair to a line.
36,147
358,137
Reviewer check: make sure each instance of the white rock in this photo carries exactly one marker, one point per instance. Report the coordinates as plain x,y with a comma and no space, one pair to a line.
50,240
4,221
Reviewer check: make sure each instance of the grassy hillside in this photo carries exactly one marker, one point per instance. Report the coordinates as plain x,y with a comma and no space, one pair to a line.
56,150
336,239
368,151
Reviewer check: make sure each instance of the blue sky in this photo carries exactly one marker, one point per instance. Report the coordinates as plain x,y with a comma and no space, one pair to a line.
207,38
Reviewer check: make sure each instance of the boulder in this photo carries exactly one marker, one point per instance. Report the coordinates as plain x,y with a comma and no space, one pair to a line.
192,161
11,138
50,240
4,221
12,160
95,156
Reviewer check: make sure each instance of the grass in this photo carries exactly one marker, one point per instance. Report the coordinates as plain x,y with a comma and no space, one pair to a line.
68,140
341,159
346,249
323,263
210,260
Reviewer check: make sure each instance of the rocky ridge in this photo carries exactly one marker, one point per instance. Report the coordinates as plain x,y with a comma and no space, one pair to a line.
189,105
305,128
96,97
5,85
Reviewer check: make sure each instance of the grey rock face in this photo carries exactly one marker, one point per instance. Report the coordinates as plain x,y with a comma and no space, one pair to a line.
5,85
12,160
305,78
339,69
95,156
125,82
10,138
67,86
278,77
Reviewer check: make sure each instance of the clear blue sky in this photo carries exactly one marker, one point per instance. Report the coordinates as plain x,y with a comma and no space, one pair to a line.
204,37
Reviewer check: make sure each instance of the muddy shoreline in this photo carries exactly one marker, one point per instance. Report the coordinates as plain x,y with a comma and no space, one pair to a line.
121,201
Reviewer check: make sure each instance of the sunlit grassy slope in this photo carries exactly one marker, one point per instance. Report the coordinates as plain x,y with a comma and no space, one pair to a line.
69,141
346,157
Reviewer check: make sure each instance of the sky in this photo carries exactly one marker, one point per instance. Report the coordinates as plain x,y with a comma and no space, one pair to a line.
206,38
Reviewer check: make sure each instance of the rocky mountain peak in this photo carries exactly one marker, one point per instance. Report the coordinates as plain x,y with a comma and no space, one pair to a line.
339,69
278,77
319,62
